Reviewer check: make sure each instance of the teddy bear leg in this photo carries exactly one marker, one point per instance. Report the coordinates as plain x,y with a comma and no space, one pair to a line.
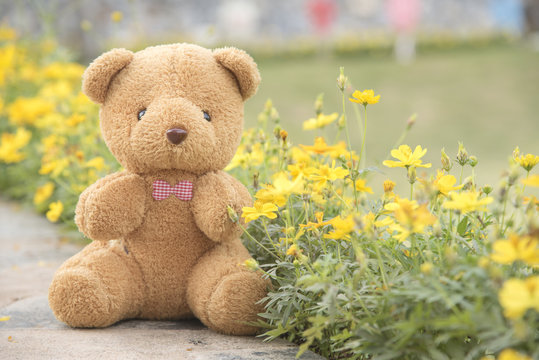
97,287
223,294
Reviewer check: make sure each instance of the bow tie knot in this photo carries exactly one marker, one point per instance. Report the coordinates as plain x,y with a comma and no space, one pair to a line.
162,190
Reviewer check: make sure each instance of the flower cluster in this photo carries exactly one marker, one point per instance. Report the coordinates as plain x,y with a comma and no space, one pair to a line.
49,134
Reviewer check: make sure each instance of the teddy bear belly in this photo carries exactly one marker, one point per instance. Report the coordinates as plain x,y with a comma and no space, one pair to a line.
166,247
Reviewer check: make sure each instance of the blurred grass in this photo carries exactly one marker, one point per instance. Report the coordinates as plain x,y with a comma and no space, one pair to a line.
486,97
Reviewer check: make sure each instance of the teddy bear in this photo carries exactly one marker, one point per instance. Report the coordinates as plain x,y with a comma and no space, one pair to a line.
164,245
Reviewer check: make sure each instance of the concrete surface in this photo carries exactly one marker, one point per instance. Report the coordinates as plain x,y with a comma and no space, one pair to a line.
31,249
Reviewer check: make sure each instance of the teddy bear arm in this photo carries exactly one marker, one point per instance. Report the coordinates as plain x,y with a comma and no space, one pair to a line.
83,197
112,207
214,193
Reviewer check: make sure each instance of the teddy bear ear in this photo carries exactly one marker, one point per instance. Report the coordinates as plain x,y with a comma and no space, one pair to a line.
242,66
98,75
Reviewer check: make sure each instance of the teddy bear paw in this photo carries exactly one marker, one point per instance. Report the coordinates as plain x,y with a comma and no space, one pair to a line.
234,307
78,298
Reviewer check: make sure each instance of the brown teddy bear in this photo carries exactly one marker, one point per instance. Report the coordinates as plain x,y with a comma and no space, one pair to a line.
164,246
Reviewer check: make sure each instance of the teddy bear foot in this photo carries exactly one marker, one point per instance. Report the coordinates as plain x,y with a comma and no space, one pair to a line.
233,307
79,298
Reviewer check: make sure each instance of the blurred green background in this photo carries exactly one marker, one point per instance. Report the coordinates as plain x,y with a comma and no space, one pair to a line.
486,97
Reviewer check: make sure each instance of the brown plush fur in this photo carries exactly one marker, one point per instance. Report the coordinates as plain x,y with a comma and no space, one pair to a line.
167,259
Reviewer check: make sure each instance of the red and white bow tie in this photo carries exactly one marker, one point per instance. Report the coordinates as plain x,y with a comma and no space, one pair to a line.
162,190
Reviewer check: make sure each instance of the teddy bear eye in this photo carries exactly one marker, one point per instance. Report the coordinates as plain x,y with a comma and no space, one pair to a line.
206,116
141,113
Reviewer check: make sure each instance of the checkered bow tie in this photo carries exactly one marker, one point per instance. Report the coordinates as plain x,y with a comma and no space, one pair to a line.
162,190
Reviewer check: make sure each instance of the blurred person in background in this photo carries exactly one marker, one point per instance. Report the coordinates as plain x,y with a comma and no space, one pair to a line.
403,17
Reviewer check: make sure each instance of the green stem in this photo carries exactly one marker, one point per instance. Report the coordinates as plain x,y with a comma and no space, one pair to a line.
352,176
363,142
257,242
380,264
411,191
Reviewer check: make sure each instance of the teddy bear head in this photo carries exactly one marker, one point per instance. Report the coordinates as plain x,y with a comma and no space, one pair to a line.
174,106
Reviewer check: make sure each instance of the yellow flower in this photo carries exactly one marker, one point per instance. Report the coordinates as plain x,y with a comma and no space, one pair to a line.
445,183
319,215
515,248
319,147
426,268
320,121
389,186
7,59
300,169
7,33
54,166
52,141
341,227
340,150
27,110
467,201
116,16
247,156
299,156
43,193
285,187
407,157
98,163
510,354
401,202
259,209
361,186
61,89
55,210
10,144
325,173
250,264
527,161
517,296
268,195
532,180
364,97
412,219
63,71
294,251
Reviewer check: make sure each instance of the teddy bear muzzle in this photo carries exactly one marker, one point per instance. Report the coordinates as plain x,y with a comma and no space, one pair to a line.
176,136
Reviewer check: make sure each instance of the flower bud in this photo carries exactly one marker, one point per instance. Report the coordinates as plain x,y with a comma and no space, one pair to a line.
450,254
411,121
388,186
341,122
342,80
232,214
274,115
426,268
250,264
262,118
319,104
487,189
268,106
284,134
412,174
462,155
472,161
255,180
516,153
277,132
446,161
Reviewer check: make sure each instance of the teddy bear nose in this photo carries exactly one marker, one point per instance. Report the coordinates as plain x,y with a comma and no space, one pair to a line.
176,136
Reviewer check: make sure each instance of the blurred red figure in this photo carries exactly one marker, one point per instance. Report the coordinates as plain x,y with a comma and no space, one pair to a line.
322,14
403,16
